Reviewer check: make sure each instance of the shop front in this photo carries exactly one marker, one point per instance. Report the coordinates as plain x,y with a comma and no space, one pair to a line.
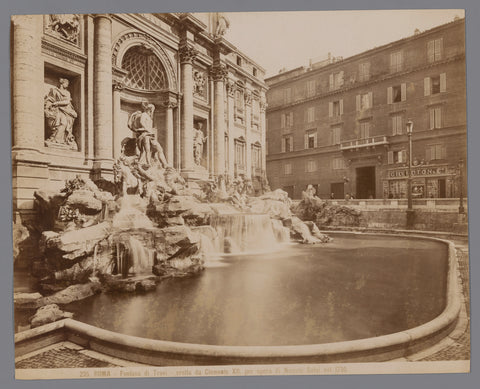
428,181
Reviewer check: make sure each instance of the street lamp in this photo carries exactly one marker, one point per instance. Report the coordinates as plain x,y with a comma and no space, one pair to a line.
410,211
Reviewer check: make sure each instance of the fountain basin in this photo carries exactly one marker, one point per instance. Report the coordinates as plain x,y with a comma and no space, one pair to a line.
162,352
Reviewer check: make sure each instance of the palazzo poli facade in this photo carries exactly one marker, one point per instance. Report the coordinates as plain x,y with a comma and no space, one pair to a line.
77,79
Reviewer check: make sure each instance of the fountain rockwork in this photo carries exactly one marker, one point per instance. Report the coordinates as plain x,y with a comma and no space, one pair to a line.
147,225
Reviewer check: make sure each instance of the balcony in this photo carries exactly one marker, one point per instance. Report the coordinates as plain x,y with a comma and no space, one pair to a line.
364,143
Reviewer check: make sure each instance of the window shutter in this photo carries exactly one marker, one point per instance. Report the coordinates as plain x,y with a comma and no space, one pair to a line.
438,118
399,125
331,82
315,140
282,124
390,157
341,106
330,109
306,141
291,143
432,118
358,102
403,156
431,51
283,145
370,99
428,153
389,95
426,86
443,82
404,92
440,48
444,151
340,81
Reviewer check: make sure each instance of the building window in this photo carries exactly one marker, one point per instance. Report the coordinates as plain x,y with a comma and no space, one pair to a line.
396,93
434,85
240,154
311,88
287,95
286,120
336,80
310,114
311,166
287,143
397,125
239,101
239,60
144,70
335,108
396,62
435,117
256,157
364,71
434,152
336,132
364,130
254,72
338,163
435,50
287,169
311,139
399,156
364,101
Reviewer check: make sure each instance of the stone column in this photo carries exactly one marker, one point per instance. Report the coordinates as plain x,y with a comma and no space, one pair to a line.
29,165
169,105
103,93
263,129
248,129
117,120
27,83
219,72
231,127
187,55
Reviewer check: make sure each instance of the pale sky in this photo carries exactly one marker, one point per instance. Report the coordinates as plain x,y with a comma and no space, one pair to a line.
289,39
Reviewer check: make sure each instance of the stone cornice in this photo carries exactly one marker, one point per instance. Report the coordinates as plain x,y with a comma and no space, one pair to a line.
63,53
358,85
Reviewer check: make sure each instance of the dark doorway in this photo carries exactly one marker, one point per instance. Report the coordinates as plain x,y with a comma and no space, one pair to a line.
337,189
442,188
366,182
289,189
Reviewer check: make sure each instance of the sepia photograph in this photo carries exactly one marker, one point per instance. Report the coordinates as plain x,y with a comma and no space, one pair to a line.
202,194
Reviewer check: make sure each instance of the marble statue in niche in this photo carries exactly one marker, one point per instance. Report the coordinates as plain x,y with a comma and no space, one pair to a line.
65,26
199,140
60,116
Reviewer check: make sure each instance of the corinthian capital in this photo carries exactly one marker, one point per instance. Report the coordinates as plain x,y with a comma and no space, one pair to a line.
187,54
218,72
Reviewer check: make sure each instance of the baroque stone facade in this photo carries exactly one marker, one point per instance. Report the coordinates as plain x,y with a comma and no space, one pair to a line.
76,79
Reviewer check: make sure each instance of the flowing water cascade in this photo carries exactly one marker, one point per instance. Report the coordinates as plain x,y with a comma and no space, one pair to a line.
132,256
282,233
246,232
132,214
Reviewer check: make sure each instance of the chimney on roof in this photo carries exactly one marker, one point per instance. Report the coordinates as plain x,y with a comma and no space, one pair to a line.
456,18
416,32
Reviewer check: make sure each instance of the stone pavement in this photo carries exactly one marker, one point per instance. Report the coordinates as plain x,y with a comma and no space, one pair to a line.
68,355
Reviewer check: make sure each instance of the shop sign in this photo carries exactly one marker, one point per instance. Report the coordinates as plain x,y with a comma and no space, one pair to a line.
418,172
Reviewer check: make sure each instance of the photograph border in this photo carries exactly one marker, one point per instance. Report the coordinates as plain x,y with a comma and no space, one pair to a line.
6,284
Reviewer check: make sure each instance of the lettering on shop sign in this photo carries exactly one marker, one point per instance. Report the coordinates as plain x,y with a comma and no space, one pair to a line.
423,171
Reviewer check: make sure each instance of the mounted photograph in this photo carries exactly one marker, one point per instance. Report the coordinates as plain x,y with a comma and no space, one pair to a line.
243,193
